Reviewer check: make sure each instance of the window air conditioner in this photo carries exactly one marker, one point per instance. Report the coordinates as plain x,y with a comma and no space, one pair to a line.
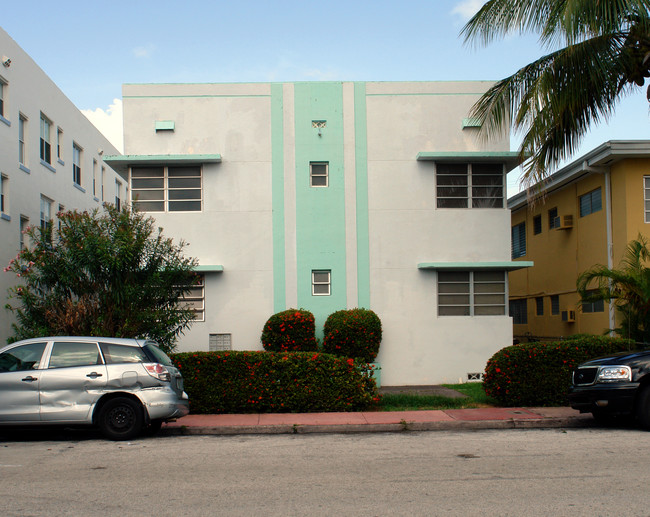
563,222
569,316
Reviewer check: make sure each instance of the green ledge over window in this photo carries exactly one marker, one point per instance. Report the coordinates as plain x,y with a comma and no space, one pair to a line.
209,269
121,163
471,122
510,158
476,266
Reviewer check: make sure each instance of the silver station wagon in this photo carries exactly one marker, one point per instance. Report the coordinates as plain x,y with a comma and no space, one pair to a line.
122,386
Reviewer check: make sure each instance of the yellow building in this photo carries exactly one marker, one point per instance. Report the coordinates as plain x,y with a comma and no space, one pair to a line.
585,214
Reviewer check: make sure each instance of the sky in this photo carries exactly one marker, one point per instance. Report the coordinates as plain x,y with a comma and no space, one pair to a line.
91,48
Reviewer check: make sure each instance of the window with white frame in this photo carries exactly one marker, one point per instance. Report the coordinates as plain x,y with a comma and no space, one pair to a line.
59,143
646,197
101,186
166,189
591,202
46,147
321,282
95,178
518,243
118,195
194,299
519,311
24,223
471,293
4,192
318,174
46,211
219,342
22,130
76,164
3,88
469,185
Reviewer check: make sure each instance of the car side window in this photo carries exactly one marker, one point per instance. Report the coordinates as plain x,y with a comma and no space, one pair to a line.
21,358
72,353
114,354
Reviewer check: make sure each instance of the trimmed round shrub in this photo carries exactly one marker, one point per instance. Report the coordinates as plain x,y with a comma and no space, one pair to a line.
292,330
539,374
353,333
266,382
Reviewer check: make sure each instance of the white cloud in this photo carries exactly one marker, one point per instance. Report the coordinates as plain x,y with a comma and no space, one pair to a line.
144,52
467,8
109,123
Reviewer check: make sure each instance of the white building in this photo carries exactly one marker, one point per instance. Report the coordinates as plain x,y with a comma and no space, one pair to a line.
327,196
50,157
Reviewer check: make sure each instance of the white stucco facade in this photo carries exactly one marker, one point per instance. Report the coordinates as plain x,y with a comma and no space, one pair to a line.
28,95
377,228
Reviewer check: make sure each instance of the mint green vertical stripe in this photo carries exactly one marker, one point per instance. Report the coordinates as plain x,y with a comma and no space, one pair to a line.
320,212
277,186
361,157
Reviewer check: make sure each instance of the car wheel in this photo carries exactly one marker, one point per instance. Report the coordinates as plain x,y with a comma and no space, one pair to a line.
153,427
121,419
643,408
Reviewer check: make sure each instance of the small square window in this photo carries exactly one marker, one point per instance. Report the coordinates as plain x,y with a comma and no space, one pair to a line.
537,225
319,174
321,282
597,306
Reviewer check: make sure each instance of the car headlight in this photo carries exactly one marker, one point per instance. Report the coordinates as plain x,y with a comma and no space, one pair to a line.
614,374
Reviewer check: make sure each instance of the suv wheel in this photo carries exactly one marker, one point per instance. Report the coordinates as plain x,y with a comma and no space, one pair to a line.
121,419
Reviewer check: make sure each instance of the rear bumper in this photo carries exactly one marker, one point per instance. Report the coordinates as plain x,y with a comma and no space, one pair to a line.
165,404
615,399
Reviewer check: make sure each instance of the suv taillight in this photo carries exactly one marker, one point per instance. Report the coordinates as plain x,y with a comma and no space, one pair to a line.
158,371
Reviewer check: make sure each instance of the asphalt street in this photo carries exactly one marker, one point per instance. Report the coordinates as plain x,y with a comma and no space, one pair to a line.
576,472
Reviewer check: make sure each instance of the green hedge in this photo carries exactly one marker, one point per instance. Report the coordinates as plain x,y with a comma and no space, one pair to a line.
292,330
353,333
266,382
539,374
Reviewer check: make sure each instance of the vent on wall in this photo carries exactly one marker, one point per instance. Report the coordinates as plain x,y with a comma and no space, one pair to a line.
164,125
220,342
475,377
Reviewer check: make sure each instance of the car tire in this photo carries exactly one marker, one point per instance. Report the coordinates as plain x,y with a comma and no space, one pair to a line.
643,408
121,419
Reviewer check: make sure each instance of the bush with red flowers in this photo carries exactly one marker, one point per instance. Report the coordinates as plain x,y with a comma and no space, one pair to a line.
264,382
292,330
539,374
353,333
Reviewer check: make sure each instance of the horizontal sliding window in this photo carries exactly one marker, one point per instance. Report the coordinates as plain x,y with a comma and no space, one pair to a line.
471,293
166,189
469,185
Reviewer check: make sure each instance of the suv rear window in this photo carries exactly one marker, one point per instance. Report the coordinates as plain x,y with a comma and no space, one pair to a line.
158,354
114,354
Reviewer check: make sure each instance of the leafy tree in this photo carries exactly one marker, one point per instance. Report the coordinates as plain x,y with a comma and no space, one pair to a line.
102,273
604,54
628,287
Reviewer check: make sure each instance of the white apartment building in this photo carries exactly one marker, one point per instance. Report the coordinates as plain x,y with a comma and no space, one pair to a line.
332,195
50,158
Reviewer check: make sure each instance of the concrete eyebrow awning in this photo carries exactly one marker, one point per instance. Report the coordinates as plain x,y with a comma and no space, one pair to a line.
209,269
511,159
476,266
121,163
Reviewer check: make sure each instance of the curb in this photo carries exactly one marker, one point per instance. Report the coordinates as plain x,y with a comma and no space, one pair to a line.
456,425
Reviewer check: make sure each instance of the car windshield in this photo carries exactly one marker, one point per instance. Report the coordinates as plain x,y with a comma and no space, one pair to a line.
156,352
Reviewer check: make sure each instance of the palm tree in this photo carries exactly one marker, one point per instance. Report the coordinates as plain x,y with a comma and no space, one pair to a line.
603,54
627,287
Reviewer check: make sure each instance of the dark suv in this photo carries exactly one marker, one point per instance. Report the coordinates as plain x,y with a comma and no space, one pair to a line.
617,385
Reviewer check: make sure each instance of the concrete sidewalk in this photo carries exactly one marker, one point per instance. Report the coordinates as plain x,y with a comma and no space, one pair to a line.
380,421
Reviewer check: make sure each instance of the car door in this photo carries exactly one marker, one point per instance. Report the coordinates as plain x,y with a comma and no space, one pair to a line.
74,380
19,382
